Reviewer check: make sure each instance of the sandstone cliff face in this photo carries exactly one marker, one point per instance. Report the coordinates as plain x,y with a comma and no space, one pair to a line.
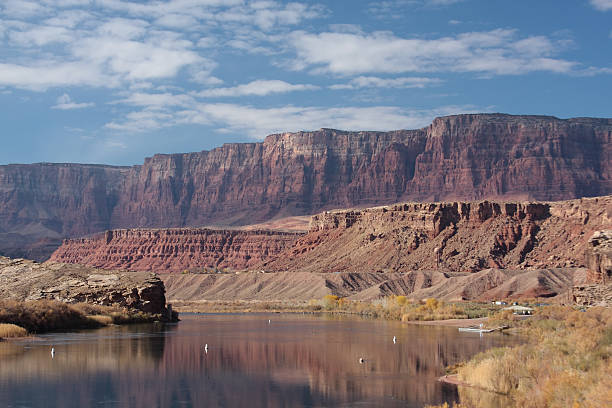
175,249
464,157
599,257
448,237
27,280
469,236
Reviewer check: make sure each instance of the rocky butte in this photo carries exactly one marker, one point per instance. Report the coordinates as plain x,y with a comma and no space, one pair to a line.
462,157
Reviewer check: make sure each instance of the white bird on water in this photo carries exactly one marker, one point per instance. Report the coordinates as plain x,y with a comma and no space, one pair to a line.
269,321
206,347
394,340
52,352
361,360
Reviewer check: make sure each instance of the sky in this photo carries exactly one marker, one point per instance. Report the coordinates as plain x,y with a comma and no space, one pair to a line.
115,81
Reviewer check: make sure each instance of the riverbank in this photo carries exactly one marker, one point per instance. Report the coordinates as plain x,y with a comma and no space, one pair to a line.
30,317
565,362
429,311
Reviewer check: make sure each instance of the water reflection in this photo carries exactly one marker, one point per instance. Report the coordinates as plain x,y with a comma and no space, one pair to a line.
293,361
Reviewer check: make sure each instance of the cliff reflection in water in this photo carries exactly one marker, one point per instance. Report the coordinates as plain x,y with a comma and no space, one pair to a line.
293,361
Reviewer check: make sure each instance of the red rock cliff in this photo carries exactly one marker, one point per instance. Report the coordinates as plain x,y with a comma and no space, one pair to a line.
464,157
175,249
467,236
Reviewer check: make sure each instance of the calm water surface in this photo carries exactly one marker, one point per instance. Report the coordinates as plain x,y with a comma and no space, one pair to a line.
293,361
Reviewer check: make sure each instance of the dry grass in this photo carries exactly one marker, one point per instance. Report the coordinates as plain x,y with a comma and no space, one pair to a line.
49,315
104,320
567,361
391,308
8,330
401,308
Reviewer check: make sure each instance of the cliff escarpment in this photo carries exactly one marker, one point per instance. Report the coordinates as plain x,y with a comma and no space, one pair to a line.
175,249
451,236
463,157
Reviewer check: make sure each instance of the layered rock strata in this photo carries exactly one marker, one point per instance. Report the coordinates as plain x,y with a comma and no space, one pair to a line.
463,157
175,249
453,237
27,280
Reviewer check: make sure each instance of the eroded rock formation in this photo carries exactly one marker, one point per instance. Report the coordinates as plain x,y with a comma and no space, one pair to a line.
467,237
175,249
463,157
599,257
27,280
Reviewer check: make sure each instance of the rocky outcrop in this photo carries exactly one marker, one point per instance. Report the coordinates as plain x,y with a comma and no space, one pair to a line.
599,257
175,249
467,157
27,280
593,295
453,237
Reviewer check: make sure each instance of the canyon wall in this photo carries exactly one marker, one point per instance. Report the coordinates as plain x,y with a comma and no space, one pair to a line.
463,157
175,249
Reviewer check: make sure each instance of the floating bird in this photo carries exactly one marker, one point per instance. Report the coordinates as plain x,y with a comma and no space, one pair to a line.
206,347
394,340
361,360
269,321
52,352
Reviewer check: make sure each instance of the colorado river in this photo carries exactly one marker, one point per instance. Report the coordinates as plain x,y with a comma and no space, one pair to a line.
252,360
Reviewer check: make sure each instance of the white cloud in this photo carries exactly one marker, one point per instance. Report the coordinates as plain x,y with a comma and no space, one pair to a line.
126,43
257,122
64,102
497,52
156,101
123,28
41,35
375,82
137,60
49,73
258,88
603,5
23,8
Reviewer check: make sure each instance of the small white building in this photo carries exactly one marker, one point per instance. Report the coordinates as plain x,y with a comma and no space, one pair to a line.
520,310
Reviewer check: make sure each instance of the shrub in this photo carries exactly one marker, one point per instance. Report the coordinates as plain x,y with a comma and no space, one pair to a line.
12,330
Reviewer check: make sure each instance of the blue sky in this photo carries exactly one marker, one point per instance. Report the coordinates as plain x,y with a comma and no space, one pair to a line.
114,81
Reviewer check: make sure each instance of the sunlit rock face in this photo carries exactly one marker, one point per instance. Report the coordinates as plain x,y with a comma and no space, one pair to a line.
27,280
463,157
175,249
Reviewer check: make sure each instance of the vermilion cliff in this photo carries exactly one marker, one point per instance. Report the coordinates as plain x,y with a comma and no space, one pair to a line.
462,157
468,236
175,249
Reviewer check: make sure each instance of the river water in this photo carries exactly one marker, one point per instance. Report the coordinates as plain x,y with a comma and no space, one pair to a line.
252,360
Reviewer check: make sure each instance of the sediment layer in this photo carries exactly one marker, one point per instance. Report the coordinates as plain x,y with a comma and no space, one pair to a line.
175,249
